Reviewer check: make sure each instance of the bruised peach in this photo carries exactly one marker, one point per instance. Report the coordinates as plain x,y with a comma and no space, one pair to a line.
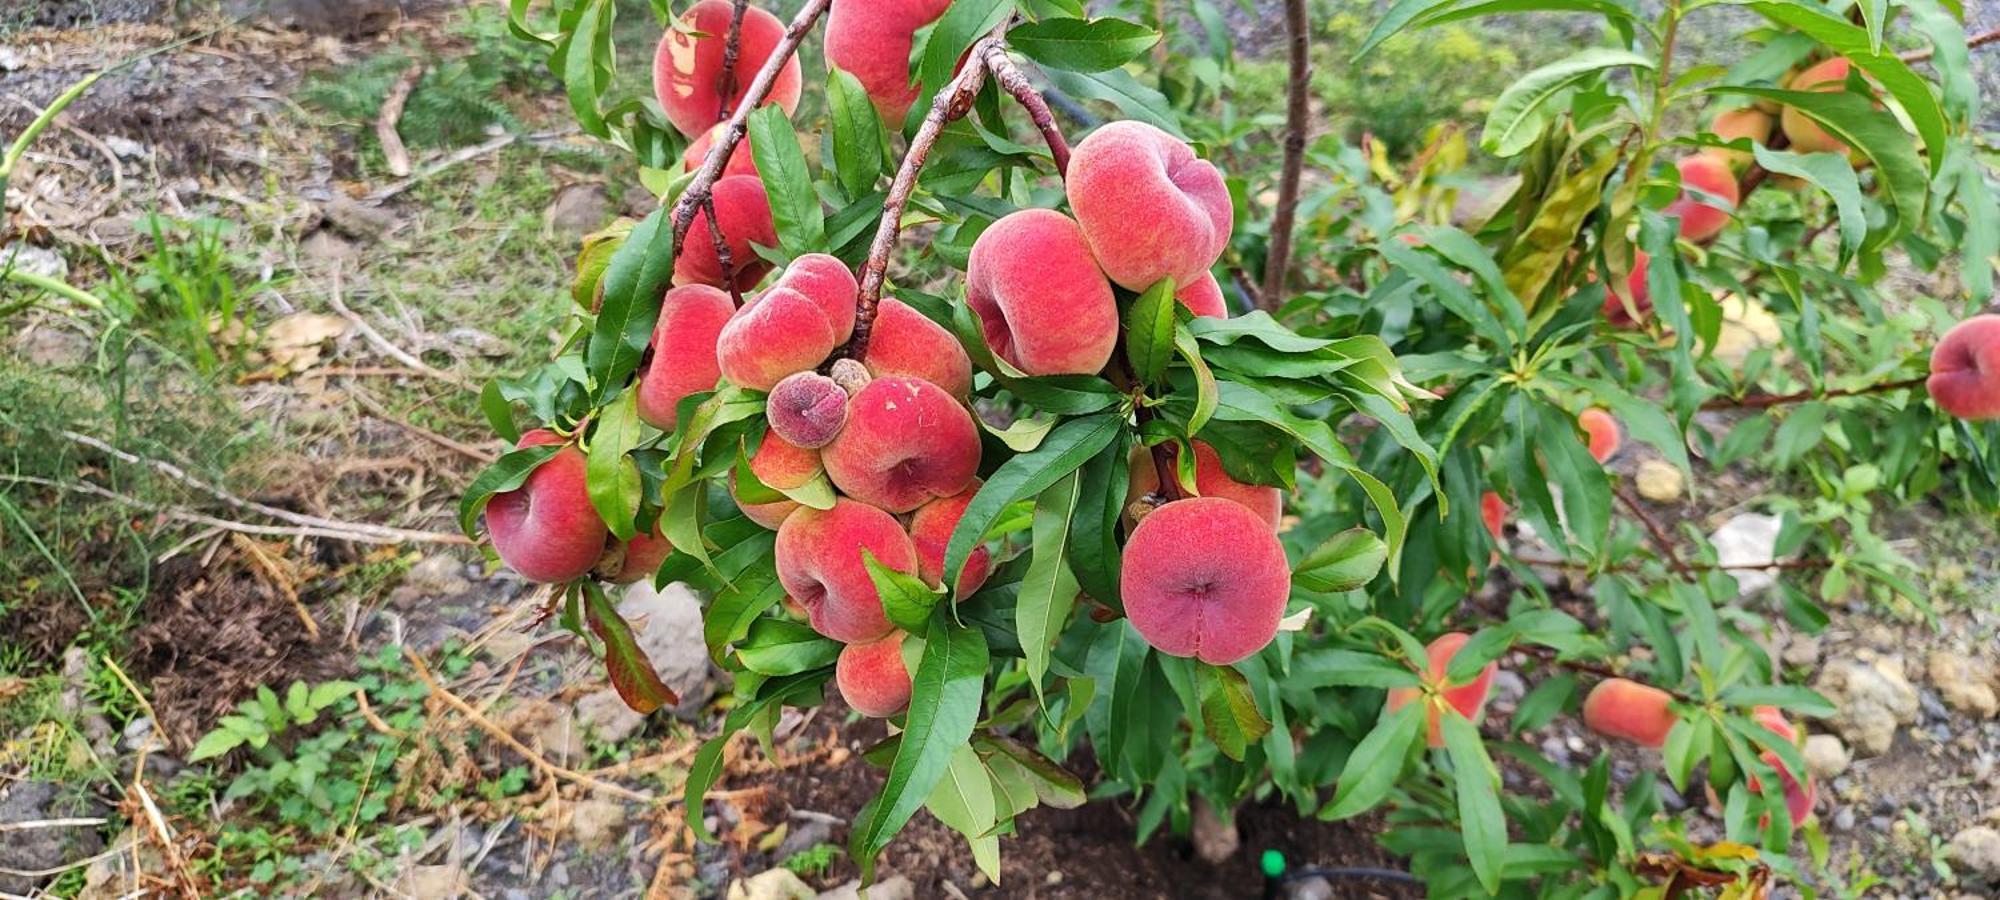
687,65
683,351
1203,297
1708,173
745,213
1635,286
1210,480
906,442
1205,577
1149,207
872,677
807,409
1042,302
1965,369
740,161
1469,698
546,529
1603,431
907,342
1623,708
1806,135
820,563
870,39
930,531
780,465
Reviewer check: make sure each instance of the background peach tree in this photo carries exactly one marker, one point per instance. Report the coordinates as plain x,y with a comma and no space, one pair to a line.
1414,387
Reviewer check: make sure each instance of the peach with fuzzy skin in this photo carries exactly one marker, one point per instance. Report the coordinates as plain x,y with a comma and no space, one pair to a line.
683,351
870,39
1205,578
907,441
644,554
1210,480
1965,369
792,327
546,529
872,677
1469,698
741,162
745,213
1806,135
1625,709
1203,297
1709,173
829,284
1604,432
930,531
807,409
687,65
780,465
1747,122
820,563
1042,302
1149,207
1635,285
907,342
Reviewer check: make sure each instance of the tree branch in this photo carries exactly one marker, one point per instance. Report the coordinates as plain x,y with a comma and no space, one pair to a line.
1972,42
732,47
703,183
1278,258
1014,82
1765,401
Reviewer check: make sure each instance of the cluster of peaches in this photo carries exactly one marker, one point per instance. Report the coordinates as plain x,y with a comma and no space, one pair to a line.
877,456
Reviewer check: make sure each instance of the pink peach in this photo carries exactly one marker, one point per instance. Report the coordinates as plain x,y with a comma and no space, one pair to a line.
906,442
872,677
546,529
1625,709
1042,302
820,563
1210,480
906,342
1469,698
1710,174
1965,369
1149,207
930,532
870,39
682,359
1205,578
745,214
687,65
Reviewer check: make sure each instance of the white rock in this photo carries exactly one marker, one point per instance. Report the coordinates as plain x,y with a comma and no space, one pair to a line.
893,888
432,881
1963,684
1660,482
1873,698
777,884
597,822
667,625
1826,757
607,716
36,260
1978,849
1214,840
1747,540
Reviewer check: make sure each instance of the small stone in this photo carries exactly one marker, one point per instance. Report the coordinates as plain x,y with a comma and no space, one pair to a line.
1963,684
1508,688
1872,698
363,223
605,714
596,823
667,626
1660,482
431,881
1214,840
325,246
1314,888
34,849
579,209
1802,650
776,884
1747,540
34,260
1844,819
1978,849
1826,757
803,836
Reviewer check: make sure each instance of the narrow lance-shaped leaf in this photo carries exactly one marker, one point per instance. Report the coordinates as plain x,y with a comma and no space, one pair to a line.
635,281
1027,475
795,209
944,704
1229,713
632,673
1480,819
611,478
1080,45
1517,115
1048,591
507,473
1149,332
1373,766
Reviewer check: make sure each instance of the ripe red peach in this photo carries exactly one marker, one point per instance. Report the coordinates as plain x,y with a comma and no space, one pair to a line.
740,161
1469,698
682,358
1710,174
1148,206
745,214
643,555
1798,797
1042,302
1604,433
1635,285
1623,708
829,284
780,465
820,563
790,328
1203,297
687,65
546,529
1747,122
907,342
872,677
930,532
807,409
1205,578
1493,512
870,39
906,442
1965,369
1210,480
1806,135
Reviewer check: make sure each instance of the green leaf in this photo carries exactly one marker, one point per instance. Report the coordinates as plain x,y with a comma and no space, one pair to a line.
1833,174
1149,332
1229,713
214,744
906,599
1550,237
857,134
964,22
507,473
1048,591
1450,292
584,76
1479,815
1795,698
1586,489
499,413
1325,667
706,768
1117,87
1541,705
1094,555
611,478
631,671
944,704
1517,115
1079,45
1207,394
1052,784
1343,562
795,209
963,801
1372,768
1027,475
1875,134
779,647
635,281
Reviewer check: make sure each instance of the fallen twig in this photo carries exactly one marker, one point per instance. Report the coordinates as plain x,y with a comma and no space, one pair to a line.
462,154
175,512
382,344
397,156
378,411
278,577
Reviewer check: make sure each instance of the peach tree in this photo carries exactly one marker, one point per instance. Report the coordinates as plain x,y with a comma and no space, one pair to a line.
1028,498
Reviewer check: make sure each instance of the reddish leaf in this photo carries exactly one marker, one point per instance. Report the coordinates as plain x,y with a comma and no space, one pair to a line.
631,672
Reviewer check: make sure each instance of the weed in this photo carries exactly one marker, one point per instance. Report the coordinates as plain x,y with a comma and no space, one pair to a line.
813,861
